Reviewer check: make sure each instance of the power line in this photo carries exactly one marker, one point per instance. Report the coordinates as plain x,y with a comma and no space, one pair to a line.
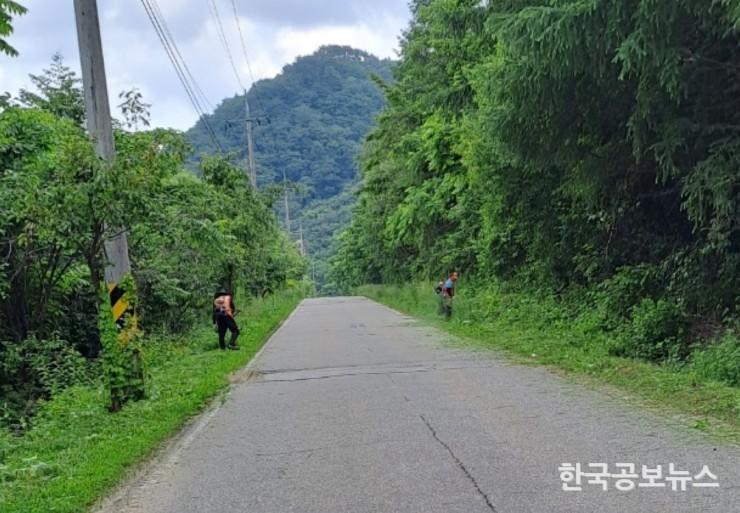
242,41
249,68
173,54
203,97
191,86
254,88
246,57
255,91
213,8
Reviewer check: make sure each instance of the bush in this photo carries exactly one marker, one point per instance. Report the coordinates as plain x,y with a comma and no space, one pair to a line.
56,365
44,368
657,331
719,361
616,296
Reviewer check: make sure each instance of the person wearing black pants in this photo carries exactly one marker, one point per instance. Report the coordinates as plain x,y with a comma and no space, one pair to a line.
223,318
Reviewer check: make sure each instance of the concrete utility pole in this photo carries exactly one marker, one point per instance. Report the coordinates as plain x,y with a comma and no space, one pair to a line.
250,145
99,122
287,204
301,242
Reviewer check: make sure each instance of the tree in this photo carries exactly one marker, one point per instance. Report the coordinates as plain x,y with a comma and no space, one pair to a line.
580,147
44,161
134,109
58,91
188,236
8,9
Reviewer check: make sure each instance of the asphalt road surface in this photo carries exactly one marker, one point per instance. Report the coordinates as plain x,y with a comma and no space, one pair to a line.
352,407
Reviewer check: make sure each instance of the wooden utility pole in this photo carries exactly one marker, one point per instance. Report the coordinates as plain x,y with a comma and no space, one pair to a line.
250,146
99,124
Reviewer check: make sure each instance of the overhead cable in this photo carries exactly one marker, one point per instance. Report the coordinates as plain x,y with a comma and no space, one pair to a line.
203,98
213,8
246,57
178,64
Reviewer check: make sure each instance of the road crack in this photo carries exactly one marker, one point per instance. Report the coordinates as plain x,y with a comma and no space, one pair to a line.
460,464
345,375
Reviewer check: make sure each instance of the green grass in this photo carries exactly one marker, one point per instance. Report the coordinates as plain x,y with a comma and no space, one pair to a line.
77,451
539,331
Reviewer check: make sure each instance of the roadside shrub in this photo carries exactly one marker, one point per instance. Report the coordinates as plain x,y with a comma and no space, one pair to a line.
616,296
719,361
44,368
657,331
55,364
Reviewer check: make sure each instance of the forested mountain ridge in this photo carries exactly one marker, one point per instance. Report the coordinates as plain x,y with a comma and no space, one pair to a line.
312,117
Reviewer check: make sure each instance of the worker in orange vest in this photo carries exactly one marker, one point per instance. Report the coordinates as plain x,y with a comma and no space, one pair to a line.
223,317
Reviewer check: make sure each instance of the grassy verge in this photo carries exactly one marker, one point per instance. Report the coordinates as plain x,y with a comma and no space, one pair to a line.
539,331
77,451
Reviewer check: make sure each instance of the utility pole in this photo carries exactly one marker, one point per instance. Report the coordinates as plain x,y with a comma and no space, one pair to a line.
100,129
301,243
287,204
118,265
252,166
250,145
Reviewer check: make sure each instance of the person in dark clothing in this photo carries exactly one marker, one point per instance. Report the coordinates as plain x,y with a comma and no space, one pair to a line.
223,317
447,293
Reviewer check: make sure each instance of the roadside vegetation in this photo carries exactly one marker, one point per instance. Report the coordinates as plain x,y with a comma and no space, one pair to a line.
539,330
579,163
76,450
63,363
188,235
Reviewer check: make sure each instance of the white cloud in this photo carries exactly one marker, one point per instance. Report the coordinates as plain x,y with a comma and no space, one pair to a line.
293,42
276,31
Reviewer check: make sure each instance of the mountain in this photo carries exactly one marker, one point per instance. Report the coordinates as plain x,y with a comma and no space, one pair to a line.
311,117
322,221
311,120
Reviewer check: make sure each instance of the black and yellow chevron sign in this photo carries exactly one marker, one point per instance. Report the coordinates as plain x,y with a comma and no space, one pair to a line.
118,304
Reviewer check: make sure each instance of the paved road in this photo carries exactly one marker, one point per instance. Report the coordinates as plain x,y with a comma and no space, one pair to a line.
352,407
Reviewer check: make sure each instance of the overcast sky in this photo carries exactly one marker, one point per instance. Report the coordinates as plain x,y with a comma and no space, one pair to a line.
276,32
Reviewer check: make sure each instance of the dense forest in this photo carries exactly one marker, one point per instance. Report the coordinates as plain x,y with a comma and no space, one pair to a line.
188,235
311,120
583,149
